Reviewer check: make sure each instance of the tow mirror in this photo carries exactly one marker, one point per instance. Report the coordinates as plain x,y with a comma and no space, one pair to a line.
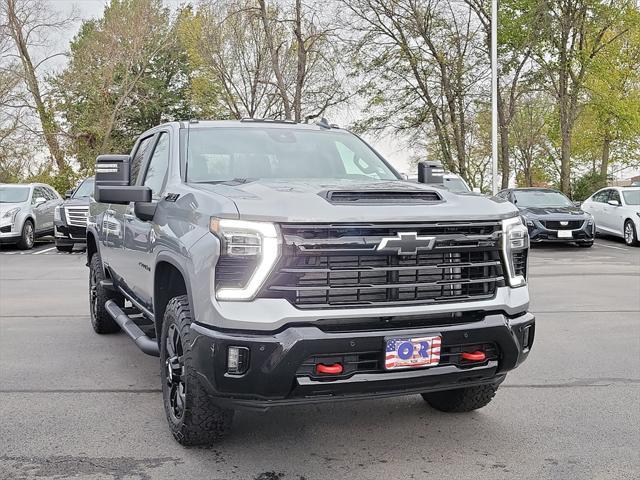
68,193
431,173
112,181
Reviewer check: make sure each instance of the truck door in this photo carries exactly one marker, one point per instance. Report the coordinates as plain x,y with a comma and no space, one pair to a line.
140,235
115,256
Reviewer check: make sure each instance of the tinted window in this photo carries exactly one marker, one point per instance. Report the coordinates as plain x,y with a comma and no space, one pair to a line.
11,194
223,154
51,195
614,195
540,198
136,162
601,196
158,165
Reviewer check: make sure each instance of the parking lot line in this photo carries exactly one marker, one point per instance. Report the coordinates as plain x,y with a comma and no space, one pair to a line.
611,246
45,250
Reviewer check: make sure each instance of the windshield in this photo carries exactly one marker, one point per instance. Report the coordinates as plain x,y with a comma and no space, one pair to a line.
241,154
455,184
14,194
84,190
631,197
541,198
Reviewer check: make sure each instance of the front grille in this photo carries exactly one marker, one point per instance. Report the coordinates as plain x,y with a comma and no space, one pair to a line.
76,216
324,266
558,224
373,361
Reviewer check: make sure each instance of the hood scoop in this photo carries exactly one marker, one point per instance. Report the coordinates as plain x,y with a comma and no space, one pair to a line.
381,197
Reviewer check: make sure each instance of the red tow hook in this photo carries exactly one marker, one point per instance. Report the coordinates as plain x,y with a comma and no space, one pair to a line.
335,369
476,356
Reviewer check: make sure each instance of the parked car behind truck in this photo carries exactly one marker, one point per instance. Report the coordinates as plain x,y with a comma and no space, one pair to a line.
616,211
26,213
271,263
71,217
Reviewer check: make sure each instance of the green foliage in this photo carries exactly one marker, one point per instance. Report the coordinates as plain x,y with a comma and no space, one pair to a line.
586,184
62,180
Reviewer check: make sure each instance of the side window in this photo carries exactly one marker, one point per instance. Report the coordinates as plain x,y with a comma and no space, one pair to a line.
158,166
138,157
37,193
614,195
601,197
51,195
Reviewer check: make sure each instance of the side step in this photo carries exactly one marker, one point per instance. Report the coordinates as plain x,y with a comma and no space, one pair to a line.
144,343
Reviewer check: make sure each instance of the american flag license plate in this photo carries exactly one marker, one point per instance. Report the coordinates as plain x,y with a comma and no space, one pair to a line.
412,352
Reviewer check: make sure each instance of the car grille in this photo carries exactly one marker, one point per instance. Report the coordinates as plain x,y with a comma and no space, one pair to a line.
76,216
325,266
558,224
520,262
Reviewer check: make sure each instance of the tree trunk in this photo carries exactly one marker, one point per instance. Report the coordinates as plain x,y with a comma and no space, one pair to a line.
302,63
505,164
604,161
565,160
46,116
275,63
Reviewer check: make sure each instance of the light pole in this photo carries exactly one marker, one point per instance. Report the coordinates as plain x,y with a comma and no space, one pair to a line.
494,96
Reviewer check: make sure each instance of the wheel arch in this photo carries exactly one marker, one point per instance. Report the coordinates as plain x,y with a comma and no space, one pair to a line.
169,280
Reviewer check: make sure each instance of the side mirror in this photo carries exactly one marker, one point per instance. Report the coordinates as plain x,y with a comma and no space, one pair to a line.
577,204
404,176
112,181
39,201
430,172
615,203
68,193
476,190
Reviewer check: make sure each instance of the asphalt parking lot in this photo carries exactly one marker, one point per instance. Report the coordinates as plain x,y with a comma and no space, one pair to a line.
78,405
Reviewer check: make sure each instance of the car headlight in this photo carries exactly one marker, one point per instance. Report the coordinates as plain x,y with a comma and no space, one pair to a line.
515,245
248,252
56,214
526,221
11,214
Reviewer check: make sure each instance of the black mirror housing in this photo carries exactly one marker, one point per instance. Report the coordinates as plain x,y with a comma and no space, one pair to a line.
68,193
431,173
113,181
122,195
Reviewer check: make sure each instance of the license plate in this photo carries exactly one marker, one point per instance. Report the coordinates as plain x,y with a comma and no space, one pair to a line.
565,234
412,352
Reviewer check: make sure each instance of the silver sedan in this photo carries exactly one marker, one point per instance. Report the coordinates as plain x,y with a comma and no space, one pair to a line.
26,212
616,211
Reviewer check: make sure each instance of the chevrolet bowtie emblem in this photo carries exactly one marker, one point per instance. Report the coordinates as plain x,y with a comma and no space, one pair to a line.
406,243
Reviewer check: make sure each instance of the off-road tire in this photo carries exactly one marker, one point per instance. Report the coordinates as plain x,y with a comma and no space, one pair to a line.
65,248
27,236
462,399
634,234
100,318
201,422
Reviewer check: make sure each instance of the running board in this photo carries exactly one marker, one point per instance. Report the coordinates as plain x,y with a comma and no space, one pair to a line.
144,343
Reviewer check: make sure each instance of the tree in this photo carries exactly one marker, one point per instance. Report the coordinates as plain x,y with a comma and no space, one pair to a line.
126,73
29,24
573,35
421,71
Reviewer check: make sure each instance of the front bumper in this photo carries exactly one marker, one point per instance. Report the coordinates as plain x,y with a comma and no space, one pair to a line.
538,233
279,372
68,234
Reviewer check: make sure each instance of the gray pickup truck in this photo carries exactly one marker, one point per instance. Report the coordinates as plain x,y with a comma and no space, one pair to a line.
270,263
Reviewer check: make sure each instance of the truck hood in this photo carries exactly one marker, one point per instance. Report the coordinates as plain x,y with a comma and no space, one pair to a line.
305,201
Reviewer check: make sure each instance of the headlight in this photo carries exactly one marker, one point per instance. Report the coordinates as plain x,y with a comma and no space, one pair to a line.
515,243
56,214
250,250
526,221
11,214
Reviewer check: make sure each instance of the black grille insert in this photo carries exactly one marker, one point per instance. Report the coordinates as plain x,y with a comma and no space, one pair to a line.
338,265
563,224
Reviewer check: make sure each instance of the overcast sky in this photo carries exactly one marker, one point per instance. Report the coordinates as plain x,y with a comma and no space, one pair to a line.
390,148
